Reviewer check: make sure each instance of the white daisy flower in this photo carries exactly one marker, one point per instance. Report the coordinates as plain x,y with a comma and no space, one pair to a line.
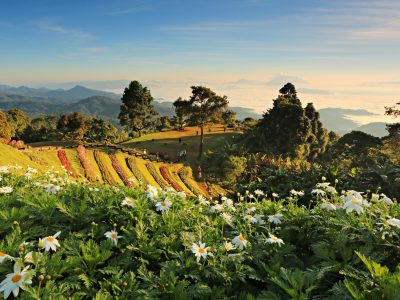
354,204
227,217
259,192
385,199
318,192
6,190
217,207
275,195
29,257
4,256
322,185
14,281
251,210
275,219
50,242
227,202
394,222
297,193
200,251
152,192
328,206
181,195
240,241
250,218
229,246
127,201
274,240
203,200
330,190
113,236
163,205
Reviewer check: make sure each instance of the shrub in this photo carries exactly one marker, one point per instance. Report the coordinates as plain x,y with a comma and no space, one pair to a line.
121,173
153,171
167,176
105,172
186,175
86,164
131,163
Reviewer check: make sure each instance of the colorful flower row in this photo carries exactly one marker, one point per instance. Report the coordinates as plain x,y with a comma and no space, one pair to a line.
185,174
64,161
167,176
105,172
153,171
86,165
121,172
131,163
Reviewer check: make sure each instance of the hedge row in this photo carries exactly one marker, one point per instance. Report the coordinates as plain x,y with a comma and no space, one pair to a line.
86,164
105,172
64,161
153,171
121,172
185,174
131,163
166,175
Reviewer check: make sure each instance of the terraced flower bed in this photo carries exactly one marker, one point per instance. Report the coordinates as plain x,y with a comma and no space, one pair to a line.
121,173
86,164
131,163
186,176
157,177
64,161
105,172
167,176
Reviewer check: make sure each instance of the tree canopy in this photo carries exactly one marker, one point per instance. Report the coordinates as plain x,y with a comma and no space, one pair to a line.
137,109
18,121
5,127
289,129
203,107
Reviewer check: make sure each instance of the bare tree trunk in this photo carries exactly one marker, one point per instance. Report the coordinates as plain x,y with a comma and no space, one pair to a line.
201,141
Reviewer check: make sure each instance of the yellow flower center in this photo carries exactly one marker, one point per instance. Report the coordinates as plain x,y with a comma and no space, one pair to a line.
241,238
2,254
354,201
202,250
50,239
249,216
16,278
114,235
163,203
29,259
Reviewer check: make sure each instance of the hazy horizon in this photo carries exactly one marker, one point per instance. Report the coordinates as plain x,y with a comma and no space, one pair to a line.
337,53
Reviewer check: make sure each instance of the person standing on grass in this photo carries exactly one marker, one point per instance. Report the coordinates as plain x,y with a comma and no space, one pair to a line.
199,172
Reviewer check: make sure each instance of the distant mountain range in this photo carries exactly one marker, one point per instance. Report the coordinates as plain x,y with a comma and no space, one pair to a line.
106,105
338,120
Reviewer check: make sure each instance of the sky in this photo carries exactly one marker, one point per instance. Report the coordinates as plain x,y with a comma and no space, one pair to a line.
337,53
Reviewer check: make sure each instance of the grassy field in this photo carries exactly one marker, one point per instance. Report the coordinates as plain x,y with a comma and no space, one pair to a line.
166,143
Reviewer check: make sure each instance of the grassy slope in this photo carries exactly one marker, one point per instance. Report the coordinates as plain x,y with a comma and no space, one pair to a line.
173,170
167,142
10,156
142,168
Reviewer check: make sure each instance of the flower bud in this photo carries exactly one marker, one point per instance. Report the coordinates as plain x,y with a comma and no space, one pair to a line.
41,278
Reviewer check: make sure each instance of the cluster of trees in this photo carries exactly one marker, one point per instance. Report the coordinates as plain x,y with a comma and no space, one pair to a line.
288,129
15,124
204,107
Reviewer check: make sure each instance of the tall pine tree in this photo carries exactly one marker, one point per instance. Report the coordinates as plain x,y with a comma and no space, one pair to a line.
137,108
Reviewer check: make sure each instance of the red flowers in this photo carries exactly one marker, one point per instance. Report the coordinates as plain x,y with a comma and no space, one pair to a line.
64,161
121,172
167,177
